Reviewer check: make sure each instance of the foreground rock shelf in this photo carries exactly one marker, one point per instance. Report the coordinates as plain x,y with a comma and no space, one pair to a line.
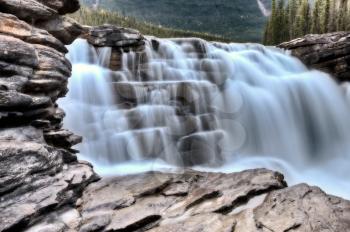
253,200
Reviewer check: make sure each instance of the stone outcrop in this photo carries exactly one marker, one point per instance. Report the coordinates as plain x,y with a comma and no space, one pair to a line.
64,28
120,39
39,171
327,52
38,10
114,36
249,201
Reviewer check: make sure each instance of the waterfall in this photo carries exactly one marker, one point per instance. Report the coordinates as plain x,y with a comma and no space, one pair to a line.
209,106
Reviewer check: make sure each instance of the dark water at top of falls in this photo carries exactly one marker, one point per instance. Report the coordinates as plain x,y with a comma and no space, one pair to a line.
211,106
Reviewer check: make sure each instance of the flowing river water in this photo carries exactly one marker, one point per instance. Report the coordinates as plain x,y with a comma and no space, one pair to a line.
210,106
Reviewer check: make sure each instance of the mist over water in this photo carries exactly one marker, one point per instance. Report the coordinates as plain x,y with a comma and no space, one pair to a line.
210,106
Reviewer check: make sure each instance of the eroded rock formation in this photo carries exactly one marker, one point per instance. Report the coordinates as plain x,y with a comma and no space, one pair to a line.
249,201
118,38
327,52
39,172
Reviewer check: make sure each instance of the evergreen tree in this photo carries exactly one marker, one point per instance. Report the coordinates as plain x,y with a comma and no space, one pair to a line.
326,17
341,24
274,23
285,24
332,24
315,26
292,12
304,18
298,18
267,34
347,19
280,27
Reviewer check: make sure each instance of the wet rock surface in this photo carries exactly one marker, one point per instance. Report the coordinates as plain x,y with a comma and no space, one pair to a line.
327,52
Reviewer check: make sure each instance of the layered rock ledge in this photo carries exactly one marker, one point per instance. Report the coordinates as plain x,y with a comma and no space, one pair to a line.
39,171
327,52
120,39
253,200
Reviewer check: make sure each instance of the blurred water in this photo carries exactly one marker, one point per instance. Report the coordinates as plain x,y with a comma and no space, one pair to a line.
211,106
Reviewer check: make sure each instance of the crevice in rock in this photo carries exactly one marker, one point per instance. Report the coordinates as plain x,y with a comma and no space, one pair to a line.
294,227
205,197
156,190
146,223
242,200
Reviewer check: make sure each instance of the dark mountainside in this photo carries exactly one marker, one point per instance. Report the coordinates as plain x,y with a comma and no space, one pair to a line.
239,20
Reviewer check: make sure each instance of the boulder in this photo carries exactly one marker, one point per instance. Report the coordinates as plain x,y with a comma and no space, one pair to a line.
38,10
302,208
11,25
40,178
63,28
43,195
50,59
10,69
62,138
114,36
28,10
13,83
62,6
66,219
17,52
327,52
12,100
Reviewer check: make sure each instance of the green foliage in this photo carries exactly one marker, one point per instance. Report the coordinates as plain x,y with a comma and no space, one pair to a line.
300,17
277,26
325,26
91,17
238,20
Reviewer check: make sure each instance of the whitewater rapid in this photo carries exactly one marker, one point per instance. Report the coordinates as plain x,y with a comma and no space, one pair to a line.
210,106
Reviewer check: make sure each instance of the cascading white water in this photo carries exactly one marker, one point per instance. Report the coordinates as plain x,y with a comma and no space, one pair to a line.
213,106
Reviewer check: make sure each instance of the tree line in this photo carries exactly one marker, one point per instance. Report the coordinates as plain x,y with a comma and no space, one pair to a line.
97,16
296,18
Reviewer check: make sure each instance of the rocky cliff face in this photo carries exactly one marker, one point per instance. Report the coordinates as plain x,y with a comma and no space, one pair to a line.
327,52
39,172
43,187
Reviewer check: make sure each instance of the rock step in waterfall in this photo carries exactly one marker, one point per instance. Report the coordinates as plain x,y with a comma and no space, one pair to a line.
189,102
159,106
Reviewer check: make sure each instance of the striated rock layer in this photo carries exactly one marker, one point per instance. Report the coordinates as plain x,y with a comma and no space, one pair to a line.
249,201
39,172
327,52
